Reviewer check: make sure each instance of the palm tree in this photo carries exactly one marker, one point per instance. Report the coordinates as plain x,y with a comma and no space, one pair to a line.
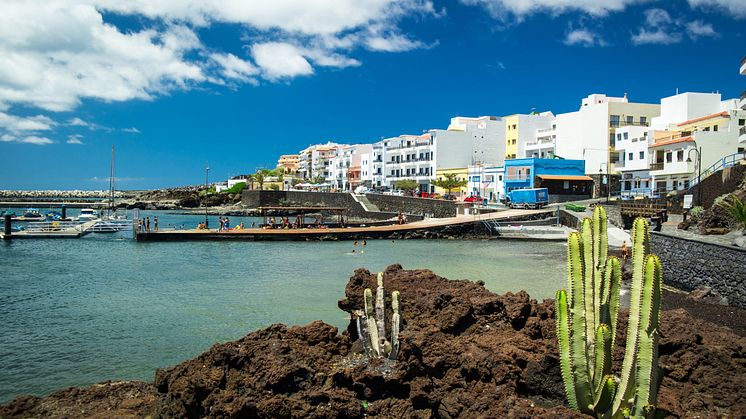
450,182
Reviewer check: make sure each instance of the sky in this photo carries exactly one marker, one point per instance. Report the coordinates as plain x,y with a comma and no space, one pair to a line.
175,84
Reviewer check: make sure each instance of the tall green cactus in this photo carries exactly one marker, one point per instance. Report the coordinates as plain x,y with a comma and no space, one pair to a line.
371,323
587,320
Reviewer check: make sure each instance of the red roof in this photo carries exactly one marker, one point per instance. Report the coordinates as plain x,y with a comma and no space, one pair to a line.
702,118
672,141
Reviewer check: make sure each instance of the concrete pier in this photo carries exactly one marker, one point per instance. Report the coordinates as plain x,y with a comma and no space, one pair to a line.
461,226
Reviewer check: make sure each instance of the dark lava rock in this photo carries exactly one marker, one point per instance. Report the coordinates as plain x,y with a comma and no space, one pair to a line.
465,352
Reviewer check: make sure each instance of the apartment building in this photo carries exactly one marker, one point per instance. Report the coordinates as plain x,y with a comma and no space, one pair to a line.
486,135
589,133
486,182
313,161
409,157
632,144
344,168
522,129
290,164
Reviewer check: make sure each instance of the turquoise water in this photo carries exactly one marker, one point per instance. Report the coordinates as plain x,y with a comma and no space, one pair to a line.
75,312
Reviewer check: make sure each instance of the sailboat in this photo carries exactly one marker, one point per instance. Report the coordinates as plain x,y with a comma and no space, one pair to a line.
111,222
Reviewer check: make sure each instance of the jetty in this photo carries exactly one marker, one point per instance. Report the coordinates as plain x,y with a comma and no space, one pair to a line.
459,226
52,230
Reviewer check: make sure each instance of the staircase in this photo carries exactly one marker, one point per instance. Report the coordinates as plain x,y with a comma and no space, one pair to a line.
367,205
727,161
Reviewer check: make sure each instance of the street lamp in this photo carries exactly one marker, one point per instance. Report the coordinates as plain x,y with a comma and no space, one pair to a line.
608,179
699,171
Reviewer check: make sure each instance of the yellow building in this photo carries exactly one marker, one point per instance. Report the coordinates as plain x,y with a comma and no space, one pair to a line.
511,137
290,163
461,173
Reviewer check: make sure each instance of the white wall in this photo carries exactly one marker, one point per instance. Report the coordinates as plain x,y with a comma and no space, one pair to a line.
685,106
452,149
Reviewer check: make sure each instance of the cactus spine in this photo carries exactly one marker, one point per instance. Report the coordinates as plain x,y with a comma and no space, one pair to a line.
371,323
586,324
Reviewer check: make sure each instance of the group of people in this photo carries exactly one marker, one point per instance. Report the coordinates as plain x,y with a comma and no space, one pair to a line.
286,224
402,218
143,226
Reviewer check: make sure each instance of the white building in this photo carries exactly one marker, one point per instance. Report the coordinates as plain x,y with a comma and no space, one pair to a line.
487,135
409,157
486,182
344,169
543,146
521,130
633,160
313,161
588,133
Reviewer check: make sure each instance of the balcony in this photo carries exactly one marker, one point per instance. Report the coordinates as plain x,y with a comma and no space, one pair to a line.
656,166
625,123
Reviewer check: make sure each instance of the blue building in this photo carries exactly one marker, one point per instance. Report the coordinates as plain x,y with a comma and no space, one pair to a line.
565,179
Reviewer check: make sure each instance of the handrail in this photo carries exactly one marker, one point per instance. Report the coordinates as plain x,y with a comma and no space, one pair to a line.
727,161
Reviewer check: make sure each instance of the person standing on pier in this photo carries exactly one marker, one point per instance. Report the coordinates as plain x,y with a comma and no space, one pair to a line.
155,223
147,224
222,224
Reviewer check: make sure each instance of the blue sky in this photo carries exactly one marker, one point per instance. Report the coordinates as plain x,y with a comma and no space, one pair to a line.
240,82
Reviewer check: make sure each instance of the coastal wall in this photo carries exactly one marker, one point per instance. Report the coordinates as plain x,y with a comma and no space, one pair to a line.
713,186
690,264
437,208
389,206
255,199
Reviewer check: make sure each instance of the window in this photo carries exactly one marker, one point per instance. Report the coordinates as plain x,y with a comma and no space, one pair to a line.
706,129
742,122
630,156
612,141
634,140
626,135
715,128
614,120
643,120
630,119
619,137
669,157
642,155
680,155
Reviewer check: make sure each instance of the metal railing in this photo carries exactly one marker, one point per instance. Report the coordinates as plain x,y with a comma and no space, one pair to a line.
727,161
621,123
656,166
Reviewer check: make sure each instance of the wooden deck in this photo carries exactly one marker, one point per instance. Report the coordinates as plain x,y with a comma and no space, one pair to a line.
348,233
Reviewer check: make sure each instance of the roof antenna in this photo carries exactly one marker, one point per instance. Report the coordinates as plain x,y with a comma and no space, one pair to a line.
677,90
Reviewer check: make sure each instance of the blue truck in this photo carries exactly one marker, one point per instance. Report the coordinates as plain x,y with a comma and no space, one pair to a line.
528,198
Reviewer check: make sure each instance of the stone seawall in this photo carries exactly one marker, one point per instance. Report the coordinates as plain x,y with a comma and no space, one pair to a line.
390,206
436,208
690,264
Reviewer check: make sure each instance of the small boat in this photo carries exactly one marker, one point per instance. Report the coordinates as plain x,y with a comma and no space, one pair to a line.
87,214
54,216
32,213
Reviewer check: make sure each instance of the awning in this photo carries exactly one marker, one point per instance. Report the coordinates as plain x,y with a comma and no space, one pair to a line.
564,177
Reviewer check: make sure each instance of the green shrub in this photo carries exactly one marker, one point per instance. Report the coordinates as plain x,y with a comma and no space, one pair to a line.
737,209
274,187
237,188
696,211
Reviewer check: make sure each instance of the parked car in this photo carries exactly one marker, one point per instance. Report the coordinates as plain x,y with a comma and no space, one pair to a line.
472,199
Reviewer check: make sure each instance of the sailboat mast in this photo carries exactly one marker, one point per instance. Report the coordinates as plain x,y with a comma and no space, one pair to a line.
111,182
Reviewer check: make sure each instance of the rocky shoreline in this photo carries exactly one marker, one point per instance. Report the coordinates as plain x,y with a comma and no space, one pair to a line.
465,351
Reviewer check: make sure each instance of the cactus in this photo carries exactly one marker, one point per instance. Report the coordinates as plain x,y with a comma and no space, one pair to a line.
586,324
371,323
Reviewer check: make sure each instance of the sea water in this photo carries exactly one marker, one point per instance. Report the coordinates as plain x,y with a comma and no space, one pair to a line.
104,307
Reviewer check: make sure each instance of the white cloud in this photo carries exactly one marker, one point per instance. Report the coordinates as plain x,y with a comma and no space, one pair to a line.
583,37
735,8
54,53
517,9
698,29
659,36
75,139
280,60
31,139
661,28
235,68
17,124
131,130
77,122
